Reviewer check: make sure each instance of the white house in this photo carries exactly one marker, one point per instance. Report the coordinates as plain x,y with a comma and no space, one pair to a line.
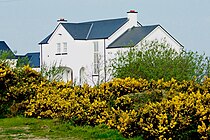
83,49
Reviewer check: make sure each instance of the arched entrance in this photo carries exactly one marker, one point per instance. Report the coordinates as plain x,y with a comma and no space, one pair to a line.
82,79
67,74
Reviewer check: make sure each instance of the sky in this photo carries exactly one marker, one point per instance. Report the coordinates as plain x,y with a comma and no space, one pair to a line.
24,23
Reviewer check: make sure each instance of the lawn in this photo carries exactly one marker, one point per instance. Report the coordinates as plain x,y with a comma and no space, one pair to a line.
46,129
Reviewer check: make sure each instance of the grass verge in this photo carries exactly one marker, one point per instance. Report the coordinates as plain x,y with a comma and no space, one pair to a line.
48,129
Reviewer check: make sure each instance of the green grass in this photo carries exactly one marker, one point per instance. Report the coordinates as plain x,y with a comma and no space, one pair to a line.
47,129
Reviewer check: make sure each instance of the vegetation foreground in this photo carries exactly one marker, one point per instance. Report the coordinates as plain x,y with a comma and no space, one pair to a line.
134,107
46,129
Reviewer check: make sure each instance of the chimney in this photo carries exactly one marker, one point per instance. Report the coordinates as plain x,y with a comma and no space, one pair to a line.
132,17
61,20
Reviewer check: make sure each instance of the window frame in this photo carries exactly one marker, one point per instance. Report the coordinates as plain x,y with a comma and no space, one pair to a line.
65,47
62,48
58,47
96,59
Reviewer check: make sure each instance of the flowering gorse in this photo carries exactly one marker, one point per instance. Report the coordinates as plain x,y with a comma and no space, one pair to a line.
153,109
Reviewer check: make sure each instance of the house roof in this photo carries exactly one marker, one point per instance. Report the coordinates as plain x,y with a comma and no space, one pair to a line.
101,29
45,41
34,59
5,47
132,36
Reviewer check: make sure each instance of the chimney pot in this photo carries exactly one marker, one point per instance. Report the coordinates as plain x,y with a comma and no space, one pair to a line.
61,20
132,11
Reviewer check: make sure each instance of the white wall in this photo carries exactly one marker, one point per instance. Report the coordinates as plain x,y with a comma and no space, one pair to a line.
80,53
160,35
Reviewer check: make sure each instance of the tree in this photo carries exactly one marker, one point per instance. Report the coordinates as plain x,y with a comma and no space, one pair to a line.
22,61
52,72
97,79
156,60
7,58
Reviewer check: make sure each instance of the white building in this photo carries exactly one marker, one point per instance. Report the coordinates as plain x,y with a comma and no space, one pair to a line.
83,48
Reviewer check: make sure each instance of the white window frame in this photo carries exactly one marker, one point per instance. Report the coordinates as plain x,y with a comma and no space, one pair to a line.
58,48
96,59
65,49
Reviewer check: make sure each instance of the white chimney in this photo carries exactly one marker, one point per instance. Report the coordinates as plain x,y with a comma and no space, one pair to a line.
61,20
132,17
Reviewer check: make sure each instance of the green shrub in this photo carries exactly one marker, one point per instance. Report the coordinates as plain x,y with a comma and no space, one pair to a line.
157,60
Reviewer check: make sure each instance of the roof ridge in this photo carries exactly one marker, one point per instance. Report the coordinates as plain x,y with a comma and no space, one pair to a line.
150,25
88,22
89,31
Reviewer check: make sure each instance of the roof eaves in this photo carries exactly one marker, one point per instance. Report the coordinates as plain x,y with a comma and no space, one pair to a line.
139,23
45,41
171,36
116,47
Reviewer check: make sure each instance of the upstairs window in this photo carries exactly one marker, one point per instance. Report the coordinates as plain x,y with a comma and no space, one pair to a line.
65,47
61,48
58,47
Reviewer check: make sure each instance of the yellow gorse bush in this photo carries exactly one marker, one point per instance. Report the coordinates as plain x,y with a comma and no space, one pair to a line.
16,86
170,117
153,109
177,106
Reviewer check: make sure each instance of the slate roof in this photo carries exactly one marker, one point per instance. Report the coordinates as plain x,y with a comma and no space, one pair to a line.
34,59
45,41
101,29
5,47
132,36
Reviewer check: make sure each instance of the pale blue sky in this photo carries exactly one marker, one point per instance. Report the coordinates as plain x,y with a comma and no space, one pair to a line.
24,23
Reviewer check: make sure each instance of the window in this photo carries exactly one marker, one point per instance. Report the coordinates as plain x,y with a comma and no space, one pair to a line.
96,58
82,76
65,47
61,50
58,48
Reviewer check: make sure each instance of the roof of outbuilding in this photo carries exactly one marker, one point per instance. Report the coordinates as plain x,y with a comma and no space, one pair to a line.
34,59
101,29
5,47
132,36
